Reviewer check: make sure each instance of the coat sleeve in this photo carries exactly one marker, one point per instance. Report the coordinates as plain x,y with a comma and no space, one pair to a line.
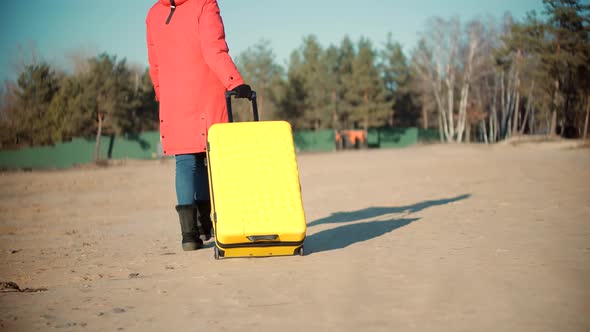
154,70
214,47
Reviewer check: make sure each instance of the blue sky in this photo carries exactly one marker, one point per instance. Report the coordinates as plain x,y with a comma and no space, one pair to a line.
60,27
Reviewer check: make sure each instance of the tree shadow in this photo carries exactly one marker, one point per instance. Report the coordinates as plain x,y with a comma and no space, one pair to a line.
373,212
143,143
343,236
111,145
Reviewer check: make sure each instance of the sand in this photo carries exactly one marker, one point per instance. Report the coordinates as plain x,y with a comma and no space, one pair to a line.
426,238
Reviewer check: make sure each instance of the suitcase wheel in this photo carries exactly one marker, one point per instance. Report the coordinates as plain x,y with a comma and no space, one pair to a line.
216,252
299,251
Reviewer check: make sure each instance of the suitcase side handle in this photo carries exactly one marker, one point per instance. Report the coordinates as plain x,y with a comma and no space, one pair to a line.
230,117
256,238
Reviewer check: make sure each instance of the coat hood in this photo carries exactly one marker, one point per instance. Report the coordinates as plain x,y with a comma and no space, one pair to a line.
168,3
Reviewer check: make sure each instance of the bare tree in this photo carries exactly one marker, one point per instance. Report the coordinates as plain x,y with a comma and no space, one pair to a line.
451,59
434,59
586,119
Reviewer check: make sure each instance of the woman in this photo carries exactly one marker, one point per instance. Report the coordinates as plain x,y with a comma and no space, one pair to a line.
191,70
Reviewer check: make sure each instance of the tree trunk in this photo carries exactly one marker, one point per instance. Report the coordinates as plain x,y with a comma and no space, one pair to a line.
508,99
529,105
442,119
525,119
485,134
492,123
496,128
492,134
494,117
445,125
586,120
462,121
503,103
516,112
492,113
440,128
366,117
553,126
424,116
532,127
450,104
98,135
462,112
260,104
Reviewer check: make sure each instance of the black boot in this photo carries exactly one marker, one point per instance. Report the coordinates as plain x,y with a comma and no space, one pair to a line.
188,227
204,219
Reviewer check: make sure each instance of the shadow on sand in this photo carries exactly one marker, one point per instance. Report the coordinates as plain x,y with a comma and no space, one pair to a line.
343,236
373,212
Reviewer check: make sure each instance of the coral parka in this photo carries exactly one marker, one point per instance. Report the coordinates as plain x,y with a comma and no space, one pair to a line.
190,69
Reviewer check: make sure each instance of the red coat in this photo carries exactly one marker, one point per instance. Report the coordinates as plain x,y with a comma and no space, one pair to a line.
191,69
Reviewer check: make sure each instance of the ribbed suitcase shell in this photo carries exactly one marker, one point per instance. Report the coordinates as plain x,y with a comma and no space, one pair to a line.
255,191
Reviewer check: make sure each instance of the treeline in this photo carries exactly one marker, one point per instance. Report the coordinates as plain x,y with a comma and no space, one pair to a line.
483,81
104,96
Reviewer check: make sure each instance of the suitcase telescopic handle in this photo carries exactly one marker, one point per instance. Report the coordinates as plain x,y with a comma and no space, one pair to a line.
256,238
228,95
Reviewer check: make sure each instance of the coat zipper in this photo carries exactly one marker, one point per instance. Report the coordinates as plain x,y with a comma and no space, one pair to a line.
172,9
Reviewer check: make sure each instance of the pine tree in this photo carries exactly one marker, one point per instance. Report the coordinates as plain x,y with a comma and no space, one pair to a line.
258,67
365,90
347,54
396,77
568,57
310,74
37,85
108,82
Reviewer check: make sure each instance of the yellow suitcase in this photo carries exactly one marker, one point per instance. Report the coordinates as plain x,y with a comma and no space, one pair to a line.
256,200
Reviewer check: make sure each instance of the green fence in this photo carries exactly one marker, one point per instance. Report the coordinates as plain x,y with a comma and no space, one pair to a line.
147,145
321,140
431,135
400,137
81,151
392,137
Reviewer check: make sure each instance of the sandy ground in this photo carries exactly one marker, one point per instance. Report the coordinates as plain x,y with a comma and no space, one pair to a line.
428,238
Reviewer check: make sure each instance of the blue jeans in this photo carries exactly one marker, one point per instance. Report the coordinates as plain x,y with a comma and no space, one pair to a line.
192,183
